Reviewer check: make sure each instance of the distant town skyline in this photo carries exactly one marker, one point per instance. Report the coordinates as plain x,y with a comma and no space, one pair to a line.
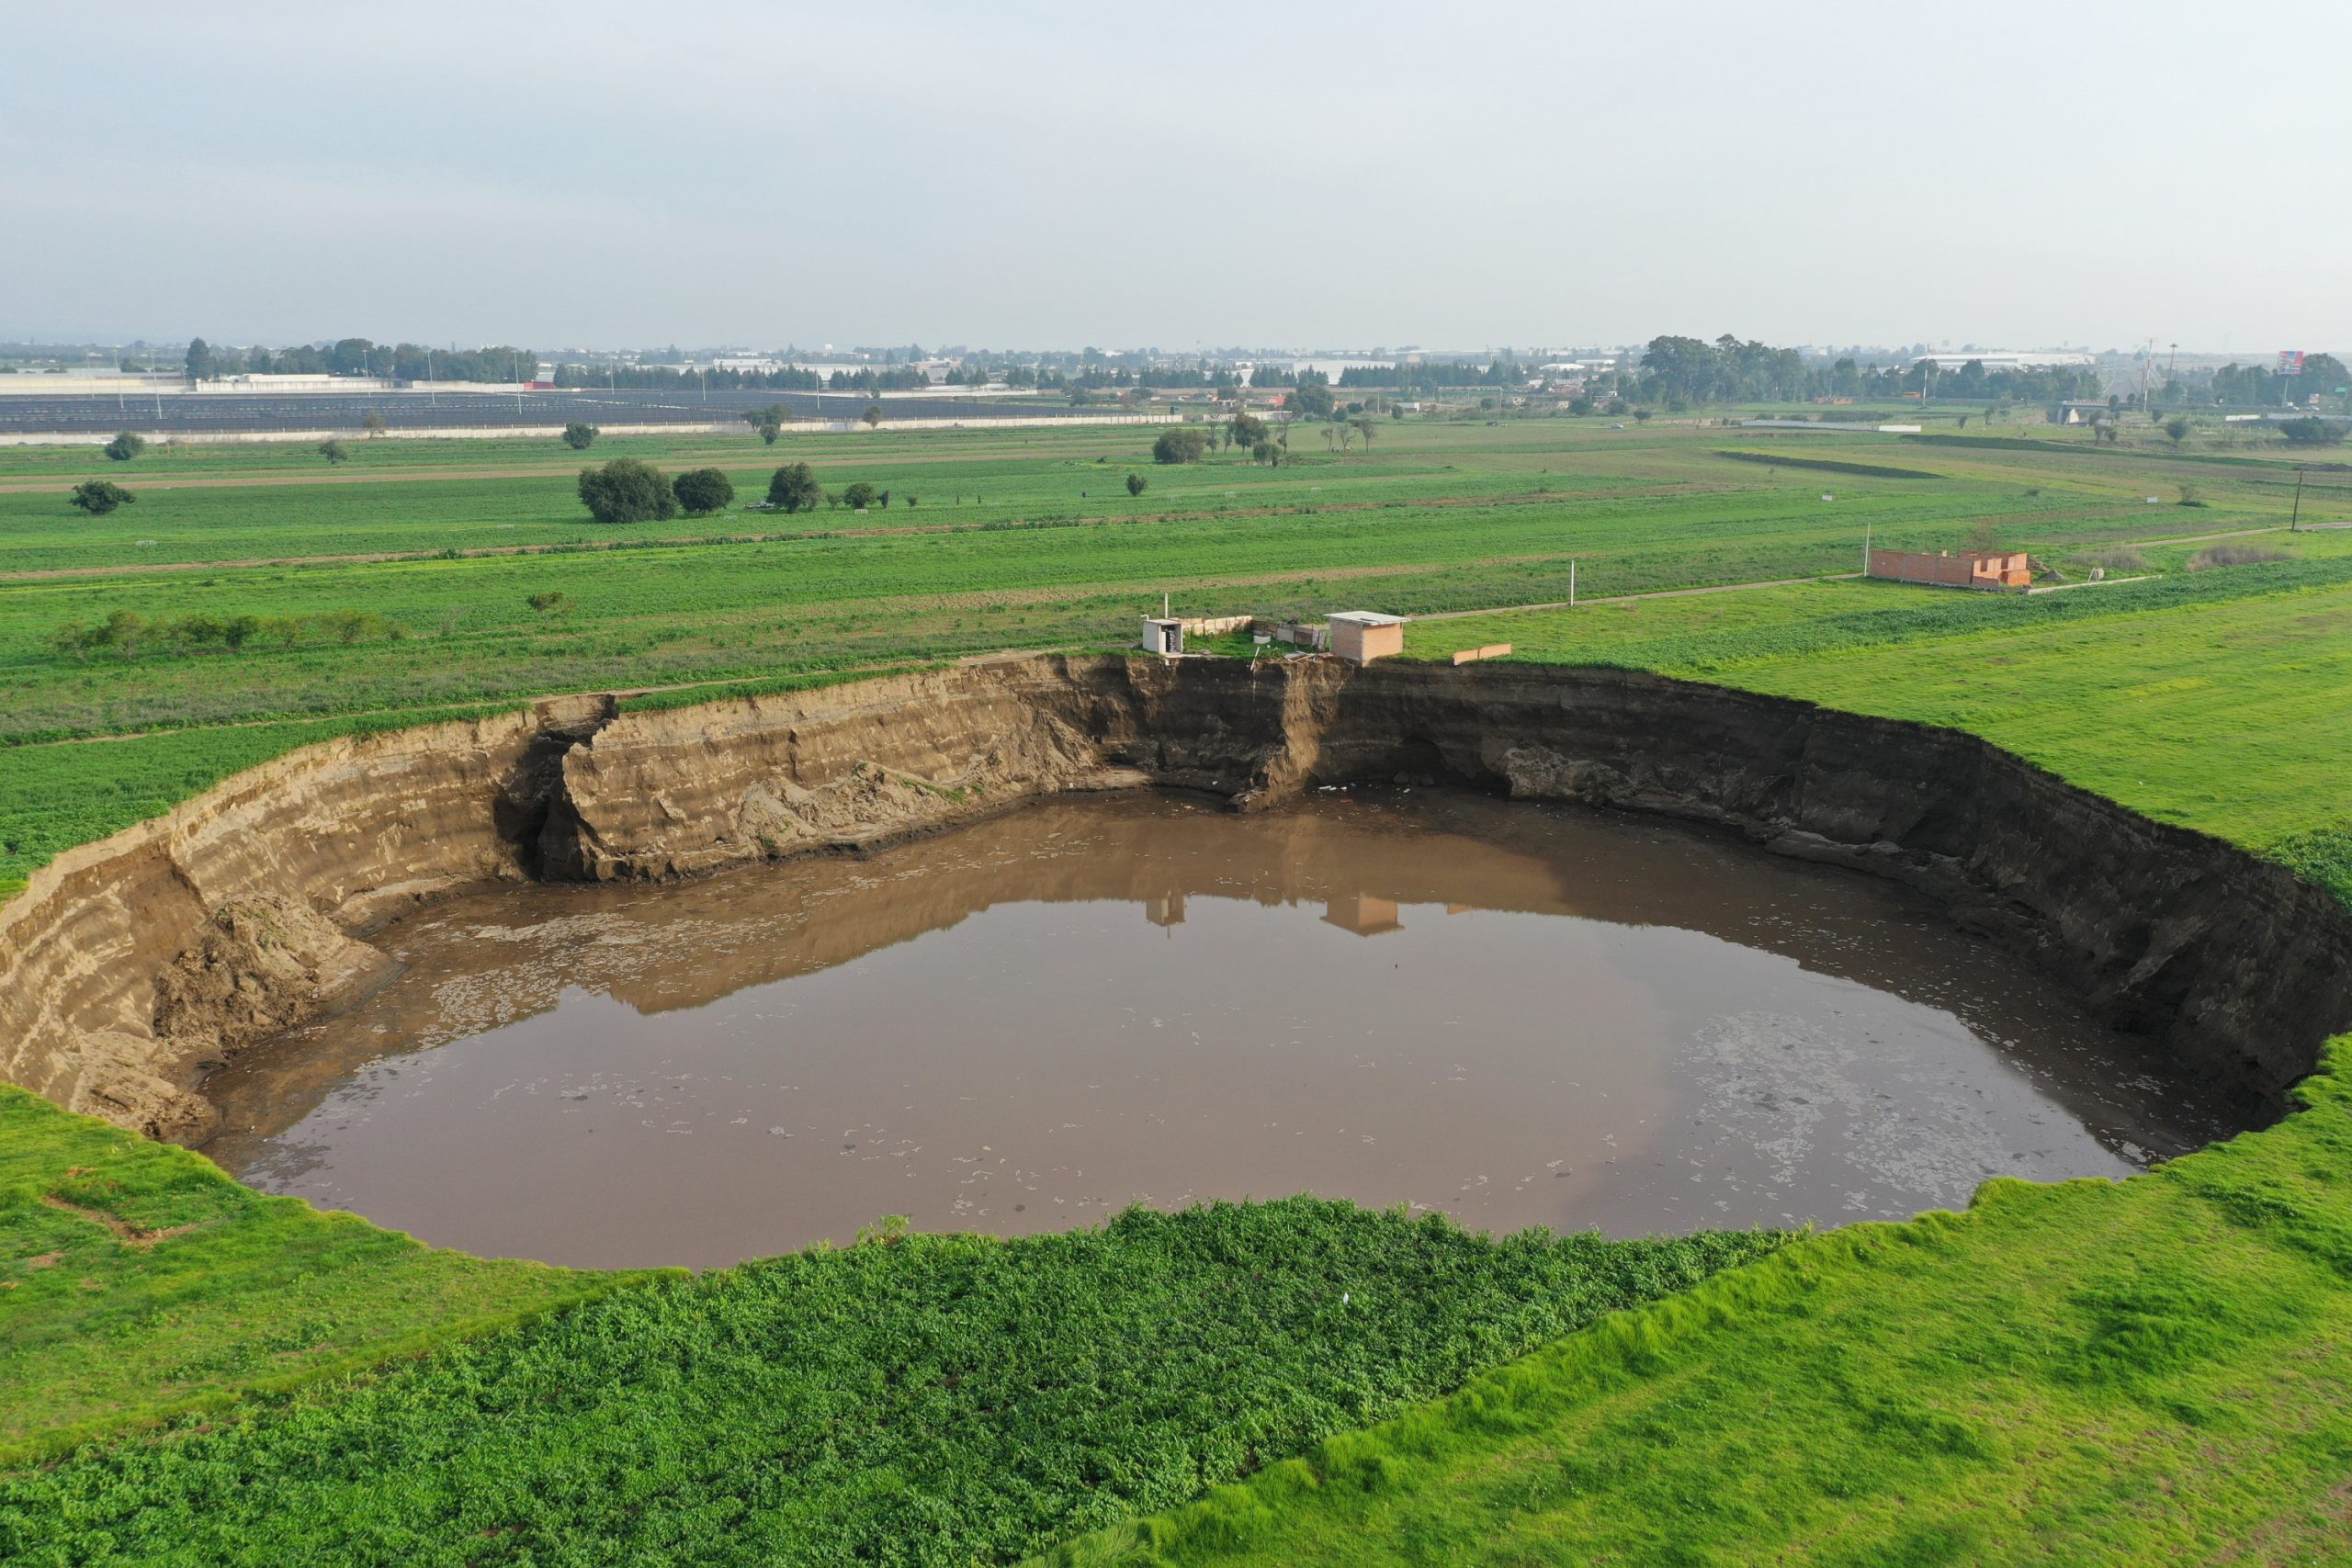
1031,175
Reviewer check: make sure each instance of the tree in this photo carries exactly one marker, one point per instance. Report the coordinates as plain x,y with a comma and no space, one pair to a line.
872,416
768,421
2313,432
125,446
98,497
1366,426
1641,416
1266,451
859,495
333,451
1313,398
2177,429
1136,483
794,488
703,490
579,436
1245,430
1185,444
373,425
201,366
628,490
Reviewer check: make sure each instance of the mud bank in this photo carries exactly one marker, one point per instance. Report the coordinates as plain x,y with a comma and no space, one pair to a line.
132,967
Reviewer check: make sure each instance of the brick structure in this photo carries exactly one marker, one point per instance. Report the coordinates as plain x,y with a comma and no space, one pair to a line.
1361,636
1996,570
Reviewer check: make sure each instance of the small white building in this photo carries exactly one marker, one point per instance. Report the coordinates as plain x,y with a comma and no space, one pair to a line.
1162,635
1361,636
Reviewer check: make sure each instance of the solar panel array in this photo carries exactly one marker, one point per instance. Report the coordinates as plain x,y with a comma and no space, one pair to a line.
261,412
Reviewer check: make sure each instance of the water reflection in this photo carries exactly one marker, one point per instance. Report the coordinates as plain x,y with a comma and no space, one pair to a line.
1519,1014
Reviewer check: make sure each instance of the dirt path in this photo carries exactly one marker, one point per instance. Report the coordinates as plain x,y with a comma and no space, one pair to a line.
1632,598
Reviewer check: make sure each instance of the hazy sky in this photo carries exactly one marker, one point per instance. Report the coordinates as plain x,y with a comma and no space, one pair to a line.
2008,174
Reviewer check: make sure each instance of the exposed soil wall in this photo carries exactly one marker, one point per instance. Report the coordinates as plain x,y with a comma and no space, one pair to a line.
131,967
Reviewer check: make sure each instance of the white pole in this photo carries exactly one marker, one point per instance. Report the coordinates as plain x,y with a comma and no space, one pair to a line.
1866,546
1572,582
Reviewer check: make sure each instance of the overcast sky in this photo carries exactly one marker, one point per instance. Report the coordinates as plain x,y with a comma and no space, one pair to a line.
585,172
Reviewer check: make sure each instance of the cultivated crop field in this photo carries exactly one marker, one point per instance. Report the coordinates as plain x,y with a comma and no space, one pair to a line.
504,589
2153,1371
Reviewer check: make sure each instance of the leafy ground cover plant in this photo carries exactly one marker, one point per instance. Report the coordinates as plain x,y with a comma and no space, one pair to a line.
913,1399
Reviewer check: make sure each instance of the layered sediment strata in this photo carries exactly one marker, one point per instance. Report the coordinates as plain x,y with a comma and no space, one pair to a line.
131,965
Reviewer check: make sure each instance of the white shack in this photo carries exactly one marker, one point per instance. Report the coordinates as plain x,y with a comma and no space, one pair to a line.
1162,635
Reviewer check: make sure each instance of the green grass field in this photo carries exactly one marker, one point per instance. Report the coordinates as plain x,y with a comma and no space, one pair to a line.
2150,1371
2158,1371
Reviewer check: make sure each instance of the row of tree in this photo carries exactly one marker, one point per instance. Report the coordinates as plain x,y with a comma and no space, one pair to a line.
794,488
128,634
630,490
359,357
2261,385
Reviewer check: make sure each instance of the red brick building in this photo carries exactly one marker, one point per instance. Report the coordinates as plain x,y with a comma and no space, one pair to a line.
1996,569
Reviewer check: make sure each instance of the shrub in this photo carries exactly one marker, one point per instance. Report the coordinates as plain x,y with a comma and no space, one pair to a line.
2313,431
703,490
98,497
2234,554
768,422
2114,558
333,451
794,488
373,425
628,490
125,446
552,600
860,495
579,436
1136,483
1184,444
125,632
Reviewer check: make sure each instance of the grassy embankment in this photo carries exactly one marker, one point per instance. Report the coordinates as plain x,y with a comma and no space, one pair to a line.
913,1399
2158,1371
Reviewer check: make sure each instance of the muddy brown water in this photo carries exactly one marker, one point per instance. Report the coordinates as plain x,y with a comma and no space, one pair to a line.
1518,1014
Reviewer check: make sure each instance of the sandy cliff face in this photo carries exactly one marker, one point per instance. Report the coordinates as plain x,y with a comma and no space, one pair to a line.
132,965
131,962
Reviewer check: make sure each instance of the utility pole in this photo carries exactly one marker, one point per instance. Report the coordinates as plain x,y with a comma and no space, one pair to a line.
2295,518
1866,546
1572,582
